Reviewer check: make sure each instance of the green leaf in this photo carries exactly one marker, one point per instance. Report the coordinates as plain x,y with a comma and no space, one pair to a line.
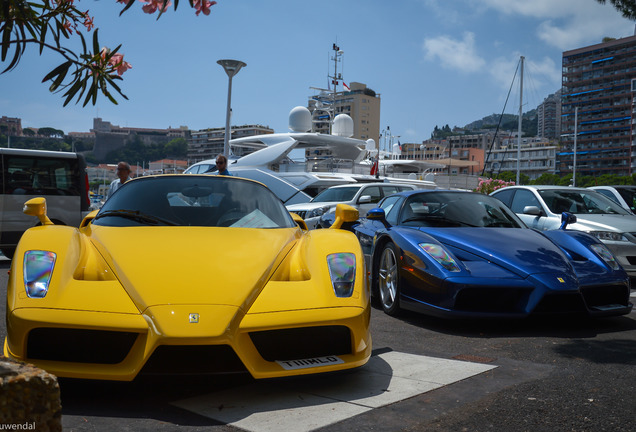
128,6
59,80
6,39
58,70
95,43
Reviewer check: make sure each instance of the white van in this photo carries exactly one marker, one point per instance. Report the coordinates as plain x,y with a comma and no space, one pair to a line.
60,177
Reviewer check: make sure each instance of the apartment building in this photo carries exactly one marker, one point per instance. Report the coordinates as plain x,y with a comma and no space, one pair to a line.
549,117
597,91
361,103
535,158
208,143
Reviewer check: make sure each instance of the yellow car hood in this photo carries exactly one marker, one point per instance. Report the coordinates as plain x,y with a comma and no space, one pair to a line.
192,265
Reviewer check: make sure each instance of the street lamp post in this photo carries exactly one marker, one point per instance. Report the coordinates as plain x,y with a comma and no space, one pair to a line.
231,67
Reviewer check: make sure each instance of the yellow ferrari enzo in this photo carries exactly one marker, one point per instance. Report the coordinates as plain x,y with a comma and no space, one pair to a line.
188,274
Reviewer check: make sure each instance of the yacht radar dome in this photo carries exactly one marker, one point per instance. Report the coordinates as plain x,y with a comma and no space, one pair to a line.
342,126
300,119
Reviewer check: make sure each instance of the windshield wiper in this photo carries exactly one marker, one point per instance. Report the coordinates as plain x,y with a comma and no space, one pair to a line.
135,215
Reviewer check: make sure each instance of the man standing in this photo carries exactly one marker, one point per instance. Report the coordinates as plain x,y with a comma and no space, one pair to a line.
221,165
123,175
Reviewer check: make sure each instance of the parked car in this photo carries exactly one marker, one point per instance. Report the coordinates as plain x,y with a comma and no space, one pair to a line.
466,255
541,207
187,274
625,195
60,177
363,196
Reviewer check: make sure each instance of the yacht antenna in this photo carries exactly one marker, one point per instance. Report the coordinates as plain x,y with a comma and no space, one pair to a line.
335,78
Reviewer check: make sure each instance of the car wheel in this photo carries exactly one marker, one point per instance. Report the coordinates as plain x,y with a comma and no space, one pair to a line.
389,280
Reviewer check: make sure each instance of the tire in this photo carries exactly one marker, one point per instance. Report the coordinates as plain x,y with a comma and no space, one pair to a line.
388,278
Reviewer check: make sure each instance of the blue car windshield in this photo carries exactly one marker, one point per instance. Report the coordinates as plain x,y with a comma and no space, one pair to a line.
194,200
457,209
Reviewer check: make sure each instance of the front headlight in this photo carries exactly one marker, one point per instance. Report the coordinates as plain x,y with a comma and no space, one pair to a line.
317,212
38,268
342,270
607,256
609,236
439,254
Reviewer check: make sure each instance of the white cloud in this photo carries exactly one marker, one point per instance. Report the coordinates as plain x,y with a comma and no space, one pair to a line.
567,24
545,74
535,8
454,54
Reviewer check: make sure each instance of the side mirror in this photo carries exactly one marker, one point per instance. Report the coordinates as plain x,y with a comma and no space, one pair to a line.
364,199
344,213
37,207
532,210
88,218
299,221
376,214
566,219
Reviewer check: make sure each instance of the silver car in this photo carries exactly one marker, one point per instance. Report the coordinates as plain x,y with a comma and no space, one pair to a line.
363,196
541,207
625,195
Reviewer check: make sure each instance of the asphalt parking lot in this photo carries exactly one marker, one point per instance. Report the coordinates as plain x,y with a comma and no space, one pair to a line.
542,374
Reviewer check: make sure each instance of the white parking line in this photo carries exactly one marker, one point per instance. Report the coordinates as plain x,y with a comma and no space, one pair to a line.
390,377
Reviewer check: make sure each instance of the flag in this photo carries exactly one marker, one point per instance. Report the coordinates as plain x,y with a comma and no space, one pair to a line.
399,145
344,84
374,167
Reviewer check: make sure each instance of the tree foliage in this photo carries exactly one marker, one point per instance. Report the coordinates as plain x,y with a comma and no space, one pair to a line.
50,132
566,180
137,151
626,7
49,25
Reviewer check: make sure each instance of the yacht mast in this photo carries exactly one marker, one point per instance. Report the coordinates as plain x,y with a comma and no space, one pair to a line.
334,80
520,121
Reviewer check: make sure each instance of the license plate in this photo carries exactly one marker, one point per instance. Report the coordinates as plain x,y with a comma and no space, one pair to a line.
309,362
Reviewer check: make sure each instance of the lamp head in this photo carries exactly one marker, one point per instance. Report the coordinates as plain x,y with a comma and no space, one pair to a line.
231,67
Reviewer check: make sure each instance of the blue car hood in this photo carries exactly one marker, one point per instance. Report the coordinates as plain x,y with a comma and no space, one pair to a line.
520,250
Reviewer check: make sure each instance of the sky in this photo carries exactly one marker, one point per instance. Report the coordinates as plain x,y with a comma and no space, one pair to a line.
433,62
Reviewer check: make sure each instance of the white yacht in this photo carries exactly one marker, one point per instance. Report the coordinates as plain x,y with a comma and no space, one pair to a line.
297,182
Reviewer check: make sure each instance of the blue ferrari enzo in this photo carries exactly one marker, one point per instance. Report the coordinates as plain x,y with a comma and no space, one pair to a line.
466,255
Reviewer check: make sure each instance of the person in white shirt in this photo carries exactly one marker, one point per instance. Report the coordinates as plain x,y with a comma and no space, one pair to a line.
123,175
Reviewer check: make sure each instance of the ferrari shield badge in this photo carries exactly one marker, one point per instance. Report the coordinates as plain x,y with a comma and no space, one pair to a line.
193,318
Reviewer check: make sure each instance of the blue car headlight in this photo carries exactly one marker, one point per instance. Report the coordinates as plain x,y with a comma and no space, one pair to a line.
342,270
38,268
439,254
605,254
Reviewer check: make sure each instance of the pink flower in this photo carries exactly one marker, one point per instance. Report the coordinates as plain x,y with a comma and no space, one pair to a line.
203,6
118,63
88,21
153,5
68,26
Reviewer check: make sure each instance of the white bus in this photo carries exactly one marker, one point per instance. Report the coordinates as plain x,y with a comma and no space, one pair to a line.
60,177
